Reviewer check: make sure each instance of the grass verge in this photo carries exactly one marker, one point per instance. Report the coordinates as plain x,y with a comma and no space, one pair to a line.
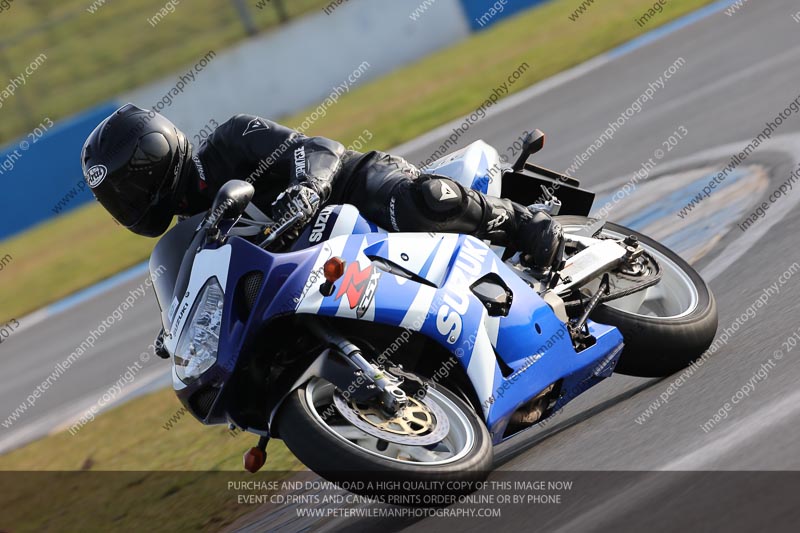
96,49
131,472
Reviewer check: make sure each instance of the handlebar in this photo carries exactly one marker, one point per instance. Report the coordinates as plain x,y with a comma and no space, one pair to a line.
275,231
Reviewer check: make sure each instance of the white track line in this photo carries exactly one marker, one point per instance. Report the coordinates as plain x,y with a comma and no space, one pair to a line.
63,417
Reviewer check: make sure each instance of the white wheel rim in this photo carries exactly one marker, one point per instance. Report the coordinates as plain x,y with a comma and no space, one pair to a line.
674,296
455,446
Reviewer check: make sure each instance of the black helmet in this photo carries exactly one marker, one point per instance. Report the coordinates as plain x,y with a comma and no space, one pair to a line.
134,163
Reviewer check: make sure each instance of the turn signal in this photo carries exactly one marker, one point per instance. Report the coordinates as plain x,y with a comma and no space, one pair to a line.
333,269
254,459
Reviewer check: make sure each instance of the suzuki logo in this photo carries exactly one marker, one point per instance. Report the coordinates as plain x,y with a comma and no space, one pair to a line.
468,266
320,224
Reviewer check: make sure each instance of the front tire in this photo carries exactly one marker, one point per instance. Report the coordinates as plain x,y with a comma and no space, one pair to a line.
339,451
671,329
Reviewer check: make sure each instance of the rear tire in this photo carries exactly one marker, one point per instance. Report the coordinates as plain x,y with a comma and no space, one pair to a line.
657,346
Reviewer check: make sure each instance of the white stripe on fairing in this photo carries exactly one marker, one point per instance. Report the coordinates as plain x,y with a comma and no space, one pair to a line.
416,247
481,366
345,222
493,322
313,298
207,264
443,256
493,328
499,251
343,310
369,315
418,310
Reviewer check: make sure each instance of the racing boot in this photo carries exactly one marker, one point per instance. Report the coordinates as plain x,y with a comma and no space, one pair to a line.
534,234
540,239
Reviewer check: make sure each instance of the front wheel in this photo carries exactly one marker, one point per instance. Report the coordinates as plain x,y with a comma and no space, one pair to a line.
437,438
665,327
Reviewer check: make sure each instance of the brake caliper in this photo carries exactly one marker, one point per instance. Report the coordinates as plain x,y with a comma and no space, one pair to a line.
411,384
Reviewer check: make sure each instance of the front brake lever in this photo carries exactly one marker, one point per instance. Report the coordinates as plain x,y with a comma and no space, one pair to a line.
273,233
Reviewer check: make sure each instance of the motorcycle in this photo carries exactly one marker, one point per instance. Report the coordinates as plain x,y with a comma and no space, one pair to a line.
411,355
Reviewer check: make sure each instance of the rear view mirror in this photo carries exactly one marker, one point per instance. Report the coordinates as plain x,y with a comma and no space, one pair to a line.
532,143
231,201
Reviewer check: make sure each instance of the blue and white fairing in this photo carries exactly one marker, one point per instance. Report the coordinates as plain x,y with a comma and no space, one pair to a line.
476,166
531,341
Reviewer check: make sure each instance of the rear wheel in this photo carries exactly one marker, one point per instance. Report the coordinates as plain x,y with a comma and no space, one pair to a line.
665,327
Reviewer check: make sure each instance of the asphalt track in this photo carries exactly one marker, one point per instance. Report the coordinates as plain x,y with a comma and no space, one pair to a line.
740,71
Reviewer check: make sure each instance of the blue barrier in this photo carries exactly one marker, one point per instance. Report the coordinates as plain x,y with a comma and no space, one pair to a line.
41,176
483,13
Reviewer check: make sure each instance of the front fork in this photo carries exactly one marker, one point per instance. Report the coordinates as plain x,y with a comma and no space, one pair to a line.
344,366
369,382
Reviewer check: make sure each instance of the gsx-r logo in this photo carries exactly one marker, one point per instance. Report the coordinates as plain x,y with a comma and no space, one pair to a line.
359,286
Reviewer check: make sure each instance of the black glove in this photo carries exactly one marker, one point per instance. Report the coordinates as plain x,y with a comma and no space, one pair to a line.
296,200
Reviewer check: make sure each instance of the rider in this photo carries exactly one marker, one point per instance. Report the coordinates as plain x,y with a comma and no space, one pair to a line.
143,170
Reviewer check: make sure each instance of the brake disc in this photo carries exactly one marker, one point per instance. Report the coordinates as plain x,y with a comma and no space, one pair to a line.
419,423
